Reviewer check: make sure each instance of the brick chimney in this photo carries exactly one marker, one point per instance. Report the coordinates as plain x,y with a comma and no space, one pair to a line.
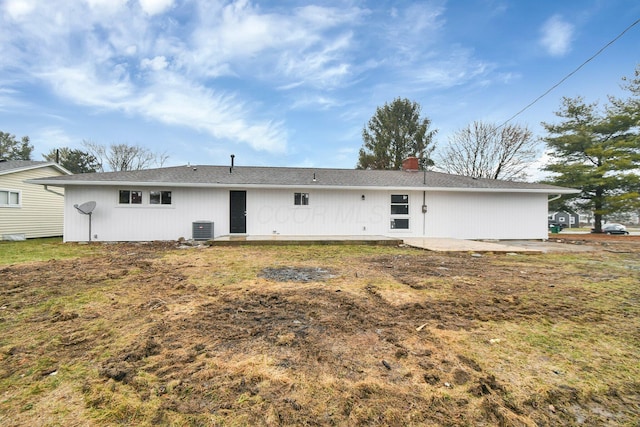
410,164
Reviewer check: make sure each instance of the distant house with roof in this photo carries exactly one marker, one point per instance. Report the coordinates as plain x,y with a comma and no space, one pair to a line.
30,210
565,219
173,202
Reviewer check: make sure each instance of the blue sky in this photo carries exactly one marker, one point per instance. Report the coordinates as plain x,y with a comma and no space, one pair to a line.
292,83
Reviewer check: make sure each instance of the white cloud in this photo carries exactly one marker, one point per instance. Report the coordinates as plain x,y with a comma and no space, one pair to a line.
535,170
323,67
173,100
18,9
91,54
106,6
318,17
413,29
309,45
82,84
9,100
456,67
128,56
155,7
416,55
156,64
557,36
315,102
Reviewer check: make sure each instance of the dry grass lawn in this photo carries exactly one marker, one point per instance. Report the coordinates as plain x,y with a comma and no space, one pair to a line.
155,334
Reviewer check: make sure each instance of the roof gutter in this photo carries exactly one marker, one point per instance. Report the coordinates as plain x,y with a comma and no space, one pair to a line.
556,197
60,183
46,188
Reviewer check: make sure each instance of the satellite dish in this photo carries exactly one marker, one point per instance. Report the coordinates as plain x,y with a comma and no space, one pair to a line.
86,208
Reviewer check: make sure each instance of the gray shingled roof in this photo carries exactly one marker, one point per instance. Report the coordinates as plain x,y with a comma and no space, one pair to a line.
249,176
10,165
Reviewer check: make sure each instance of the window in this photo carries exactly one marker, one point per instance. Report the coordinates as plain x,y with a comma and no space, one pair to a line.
300,199
130,197
9,198
399,211
399,204
401,223
160,197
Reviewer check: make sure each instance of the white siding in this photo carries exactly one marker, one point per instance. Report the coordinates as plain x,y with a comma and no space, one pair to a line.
487,215
112,221
330,212
40,213
337,212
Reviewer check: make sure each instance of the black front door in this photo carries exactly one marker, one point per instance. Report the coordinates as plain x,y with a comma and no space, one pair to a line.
238,212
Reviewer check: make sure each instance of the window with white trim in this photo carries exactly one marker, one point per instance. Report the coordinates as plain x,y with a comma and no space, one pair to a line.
300,199
10,198
399,211
130,197
160,197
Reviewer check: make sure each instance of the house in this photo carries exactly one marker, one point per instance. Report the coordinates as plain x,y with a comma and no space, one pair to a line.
565,219
28,210
189,201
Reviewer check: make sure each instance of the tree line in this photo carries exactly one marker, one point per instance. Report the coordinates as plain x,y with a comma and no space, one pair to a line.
94,158
591,148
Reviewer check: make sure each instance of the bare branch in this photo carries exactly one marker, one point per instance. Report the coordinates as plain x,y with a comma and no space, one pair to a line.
481,150
124,157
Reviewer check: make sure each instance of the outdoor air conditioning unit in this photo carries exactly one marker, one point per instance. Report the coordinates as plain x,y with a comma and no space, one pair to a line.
202,230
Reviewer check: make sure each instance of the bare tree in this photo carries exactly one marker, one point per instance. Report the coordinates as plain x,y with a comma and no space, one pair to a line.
482,150
124,157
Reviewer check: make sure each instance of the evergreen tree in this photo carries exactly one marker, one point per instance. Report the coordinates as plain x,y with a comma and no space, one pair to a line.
395,132
597,152
75,161
12,149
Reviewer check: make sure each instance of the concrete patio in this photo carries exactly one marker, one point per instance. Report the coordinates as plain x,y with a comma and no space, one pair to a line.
430,244
443,244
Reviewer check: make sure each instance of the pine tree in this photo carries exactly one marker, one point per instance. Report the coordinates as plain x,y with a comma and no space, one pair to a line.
395,132
599,153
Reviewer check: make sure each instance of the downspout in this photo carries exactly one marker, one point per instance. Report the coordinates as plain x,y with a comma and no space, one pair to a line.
424,213
424,201
46,188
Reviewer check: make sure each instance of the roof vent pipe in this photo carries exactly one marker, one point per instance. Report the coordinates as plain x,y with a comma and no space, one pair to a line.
233,156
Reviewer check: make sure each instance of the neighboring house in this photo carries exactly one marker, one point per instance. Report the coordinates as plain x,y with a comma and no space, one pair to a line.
585,219
164,203
28,210
565,219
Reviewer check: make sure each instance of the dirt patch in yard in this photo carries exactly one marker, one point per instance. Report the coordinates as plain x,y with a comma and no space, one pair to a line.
150,334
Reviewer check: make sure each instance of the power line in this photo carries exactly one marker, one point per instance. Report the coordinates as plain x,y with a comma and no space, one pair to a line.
569,75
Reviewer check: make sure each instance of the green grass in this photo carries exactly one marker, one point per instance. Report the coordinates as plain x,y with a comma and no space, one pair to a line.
13,252
573,326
